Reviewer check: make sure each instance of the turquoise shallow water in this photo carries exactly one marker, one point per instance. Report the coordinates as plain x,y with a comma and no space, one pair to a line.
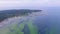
24,26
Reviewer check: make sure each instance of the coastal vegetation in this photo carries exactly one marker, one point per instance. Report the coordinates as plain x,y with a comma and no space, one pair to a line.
4,14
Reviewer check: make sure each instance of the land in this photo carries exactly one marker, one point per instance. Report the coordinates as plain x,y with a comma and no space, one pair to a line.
4,14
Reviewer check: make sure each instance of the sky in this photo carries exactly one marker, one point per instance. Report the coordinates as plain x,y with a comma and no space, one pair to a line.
28,4
55,3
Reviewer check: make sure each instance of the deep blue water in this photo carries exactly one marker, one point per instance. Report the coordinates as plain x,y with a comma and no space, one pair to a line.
42,24
54,19
51,21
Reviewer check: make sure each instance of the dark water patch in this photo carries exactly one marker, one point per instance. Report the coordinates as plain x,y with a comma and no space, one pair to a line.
42,23
26,29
